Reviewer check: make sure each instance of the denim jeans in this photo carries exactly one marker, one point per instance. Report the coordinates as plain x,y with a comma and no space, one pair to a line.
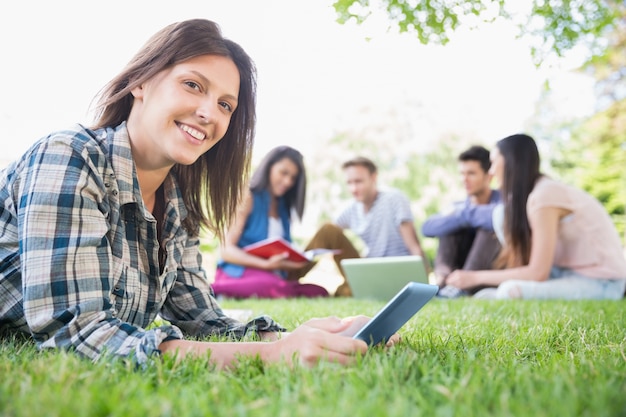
563,284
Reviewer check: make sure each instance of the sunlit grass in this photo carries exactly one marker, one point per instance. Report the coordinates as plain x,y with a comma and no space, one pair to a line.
458,358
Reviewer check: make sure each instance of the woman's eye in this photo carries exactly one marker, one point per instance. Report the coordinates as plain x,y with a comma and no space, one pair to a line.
193,85
227,106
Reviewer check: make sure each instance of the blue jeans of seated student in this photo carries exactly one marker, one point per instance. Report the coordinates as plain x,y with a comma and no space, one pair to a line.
563,284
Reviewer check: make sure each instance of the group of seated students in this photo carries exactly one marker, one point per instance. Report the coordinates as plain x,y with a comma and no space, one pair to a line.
534,238
382,218
544,240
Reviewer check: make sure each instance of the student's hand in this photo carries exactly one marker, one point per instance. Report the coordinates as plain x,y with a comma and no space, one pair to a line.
291,265
357,322
462,279
318,340
280,261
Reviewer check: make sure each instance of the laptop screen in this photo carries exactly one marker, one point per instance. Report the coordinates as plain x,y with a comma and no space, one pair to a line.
381,278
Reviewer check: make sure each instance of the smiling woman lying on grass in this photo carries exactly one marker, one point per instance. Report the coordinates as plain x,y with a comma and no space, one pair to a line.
99,226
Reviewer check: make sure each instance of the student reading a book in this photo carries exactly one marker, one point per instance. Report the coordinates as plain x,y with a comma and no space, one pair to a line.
99,226
277,191
559,242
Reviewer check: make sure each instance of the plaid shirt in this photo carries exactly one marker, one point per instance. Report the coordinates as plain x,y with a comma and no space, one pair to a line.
79,262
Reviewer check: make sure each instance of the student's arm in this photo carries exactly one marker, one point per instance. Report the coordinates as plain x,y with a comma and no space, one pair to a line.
544,223
479,216
403,217
462,216
443,223
412,242
190,305
314,341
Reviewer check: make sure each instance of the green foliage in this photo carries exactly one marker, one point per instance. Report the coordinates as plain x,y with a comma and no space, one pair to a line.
595,160
562,24
559,25
432,21
458,357
609,67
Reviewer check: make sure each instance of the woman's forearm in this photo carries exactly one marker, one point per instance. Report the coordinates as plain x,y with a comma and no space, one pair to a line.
236,255
496,277
222,354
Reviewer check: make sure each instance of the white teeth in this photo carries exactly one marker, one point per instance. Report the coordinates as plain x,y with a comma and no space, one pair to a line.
193,132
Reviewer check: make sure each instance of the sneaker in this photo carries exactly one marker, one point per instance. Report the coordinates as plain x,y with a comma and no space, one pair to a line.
451,292
487,294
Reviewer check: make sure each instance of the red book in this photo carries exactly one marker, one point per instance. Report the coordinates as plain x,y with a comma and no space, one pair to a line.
267,248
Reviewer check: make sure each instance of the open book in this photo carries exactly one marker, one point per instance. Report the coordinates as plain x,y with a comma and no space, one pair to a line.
269,247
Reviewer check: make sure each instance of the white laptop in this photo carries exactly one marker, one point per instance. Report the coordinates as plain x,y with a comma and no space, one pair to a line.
382,278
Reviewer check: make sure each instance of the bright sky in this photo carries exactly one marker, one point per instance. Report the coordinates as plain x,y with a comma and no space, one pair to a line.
315,76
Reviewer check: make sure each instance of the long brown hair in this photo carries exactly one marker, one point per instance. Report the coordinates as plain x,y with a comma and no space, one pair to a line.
295,196
521,172
212,186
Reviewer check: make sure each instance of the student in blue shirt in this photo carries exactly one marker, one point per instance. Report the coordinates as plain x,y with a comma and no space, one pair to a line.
466,236
99,226
276,197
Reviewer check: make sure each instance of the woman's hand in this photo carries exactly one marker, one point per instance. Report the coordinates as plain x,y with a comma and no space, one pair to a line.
318,340
463,279
357,322
280,261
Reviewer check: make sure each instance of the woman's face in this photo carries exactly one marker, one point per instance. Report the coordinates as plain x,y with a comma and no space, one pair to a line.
283,176
497,165
183,111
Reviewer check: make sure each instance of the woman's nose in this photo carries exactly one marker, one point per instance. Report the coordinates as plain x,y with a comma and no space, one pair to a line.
206,110
288,182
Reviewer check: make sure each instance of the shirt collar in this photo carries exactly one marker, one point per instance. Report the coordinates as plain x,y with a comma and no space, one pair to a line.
123,165
125,171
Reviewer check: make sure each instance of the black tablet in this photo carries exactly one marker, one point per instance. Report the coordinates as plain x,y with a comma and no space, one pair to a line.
396,312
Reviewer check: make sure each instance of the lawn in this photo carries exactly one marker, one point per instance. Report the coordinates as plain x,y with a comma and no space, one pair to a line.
458,358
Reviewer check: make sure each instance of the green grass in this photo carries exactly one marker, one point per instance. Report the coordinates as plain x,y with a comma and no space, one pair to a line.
458,358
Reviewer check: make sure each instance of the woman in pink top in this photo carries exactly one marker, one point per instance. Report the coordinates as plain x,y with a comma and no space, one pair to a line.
559,241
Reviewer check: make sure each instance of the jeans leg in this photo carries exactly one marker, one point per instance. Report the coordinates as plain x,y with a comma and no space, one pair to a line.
484,251
451,253
573,287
